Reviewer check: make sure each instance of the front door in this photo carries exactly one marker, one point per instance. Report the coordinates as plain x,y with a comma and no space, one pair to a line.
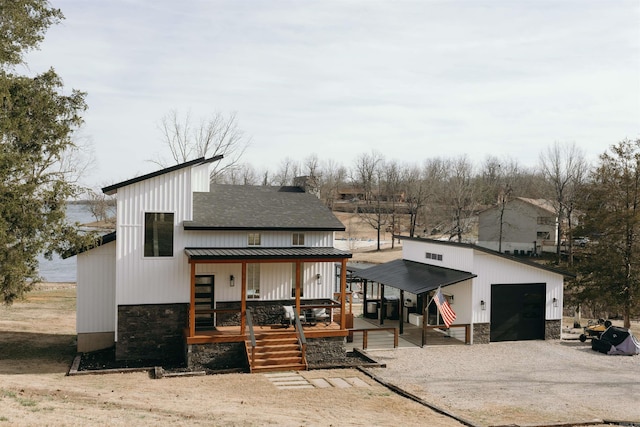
204,303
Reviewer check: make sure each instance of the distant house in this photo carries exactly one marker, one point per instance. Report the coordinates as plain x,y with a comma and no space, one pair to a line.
496,297
194,271
523,227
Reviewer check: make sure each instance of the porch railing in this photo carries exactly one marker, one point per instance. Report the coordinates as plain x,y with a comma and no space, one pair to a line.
302,341
252,337
365,335
467,331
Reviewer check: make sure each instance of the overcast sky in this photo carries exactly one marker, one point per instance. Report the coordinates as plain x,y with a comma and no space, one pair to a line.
410,79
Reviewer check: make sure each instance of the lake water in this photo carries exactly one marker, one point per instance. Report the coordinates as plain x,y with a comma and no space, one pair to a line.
64,270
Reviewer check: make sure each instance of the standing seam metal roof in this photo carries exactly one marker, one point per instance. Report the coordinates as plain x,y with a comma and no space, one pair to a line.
412,276
264,253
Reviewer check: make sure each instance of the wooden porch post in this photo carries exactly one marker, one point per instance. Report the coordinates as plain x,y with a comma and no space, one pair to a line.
343,293
192,306
243,300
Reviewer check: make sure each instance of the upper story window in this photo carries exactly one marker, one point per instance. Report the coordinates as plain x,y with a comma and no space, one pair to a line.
297,239
253,239
158,234
546,220
429,255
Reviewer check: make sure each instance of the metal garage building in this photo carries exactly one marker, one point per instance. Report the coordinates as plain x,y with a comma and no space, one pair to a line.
496,297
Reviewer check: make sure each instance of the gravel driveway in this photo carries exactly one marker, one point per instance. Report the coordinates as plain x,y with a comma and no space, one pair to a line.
526,382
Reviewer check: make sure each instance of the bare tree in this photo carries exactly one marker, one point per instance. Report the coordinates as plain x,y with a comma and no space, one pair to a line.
287,170
498,179
368,175
364,173
561,165
213,136
334,176
393,195
458,196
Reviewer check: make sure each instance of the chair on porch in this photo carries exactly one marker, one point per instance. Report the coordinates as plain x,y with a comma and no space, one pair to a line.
289,315
321,315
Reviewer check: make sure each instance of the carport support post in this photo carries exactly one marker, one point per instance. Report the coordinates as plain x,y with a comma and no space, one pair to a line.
381,312
401,311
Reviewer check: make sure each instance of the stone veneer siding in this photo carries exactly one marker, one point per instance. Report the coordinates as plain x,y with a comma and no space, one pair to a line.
322,352
152,332
481,333
552,329
217,356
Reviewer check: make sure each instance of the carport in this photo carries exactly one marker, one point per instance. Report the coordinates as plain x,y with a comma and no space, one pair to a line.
412,277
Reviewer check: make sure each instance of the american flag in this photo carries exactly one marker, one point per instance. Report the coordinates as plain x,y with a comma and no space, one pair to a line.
448,315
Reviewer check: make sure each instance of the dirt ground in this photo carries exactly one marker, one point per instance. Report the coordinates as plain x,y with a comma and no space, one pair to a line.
37,347
506,383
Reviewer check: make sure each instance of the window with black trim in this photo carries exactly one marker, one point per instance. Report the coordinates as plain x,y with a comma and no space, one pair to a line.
297,239
158,234
253,239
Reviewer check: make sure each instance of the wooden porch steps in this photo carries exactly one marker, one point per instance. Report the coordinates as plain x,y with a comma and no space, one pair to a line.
276,351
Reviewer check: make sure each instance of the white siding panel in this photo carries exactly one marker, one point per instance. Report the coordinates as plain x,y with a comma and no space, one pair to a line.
454,257
200,178
239,239
96,290
275,280
495,270
141,280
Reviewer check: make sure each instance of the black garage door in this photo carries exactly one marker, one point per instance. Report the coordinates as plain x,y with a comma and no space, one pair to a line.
517,312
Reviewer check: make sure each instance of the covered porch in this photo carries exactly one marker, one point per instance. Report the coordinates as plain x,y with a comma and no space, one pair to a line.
411,307
231,317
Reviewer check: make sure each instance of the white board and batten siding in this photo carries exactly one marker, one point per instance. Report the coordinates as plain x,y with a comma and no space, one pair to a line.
157,280
455,258
490,270
276,280
268,239
96,290
495,270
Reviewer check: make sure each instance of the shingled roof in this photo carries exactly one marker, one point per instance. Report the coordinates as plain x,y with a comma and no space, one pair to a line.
234,207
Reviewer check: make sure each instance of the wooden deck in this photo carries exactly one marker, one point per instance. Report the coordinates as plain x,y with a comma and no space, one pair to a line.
411,337
232,333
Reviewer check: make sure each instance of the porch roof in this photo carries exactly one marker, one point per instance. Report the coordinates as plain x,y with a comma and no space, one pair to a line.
265,253
412,276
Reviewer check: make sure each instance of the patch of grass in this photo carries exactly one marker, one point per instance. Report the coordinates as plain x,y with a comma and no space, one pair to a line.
26,402
7,393
2,419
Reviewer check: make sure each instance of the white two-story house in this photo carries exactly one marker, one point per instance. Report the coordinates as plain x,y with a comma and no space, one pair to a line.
193,270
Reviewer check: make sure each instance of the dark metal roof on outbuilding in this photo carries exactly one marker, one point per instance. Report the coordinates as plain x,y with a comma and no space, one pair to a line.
412,276
264,253
247,207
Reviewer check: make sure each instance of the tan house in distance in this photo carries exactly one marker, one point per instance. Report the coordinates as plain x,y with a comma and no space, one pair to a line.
524,227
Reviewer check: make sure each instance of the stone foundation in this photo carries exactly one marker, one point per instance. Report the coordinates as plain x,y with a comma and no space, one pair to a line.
321,352
328,351
552,329
216,357
152,332
481,333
